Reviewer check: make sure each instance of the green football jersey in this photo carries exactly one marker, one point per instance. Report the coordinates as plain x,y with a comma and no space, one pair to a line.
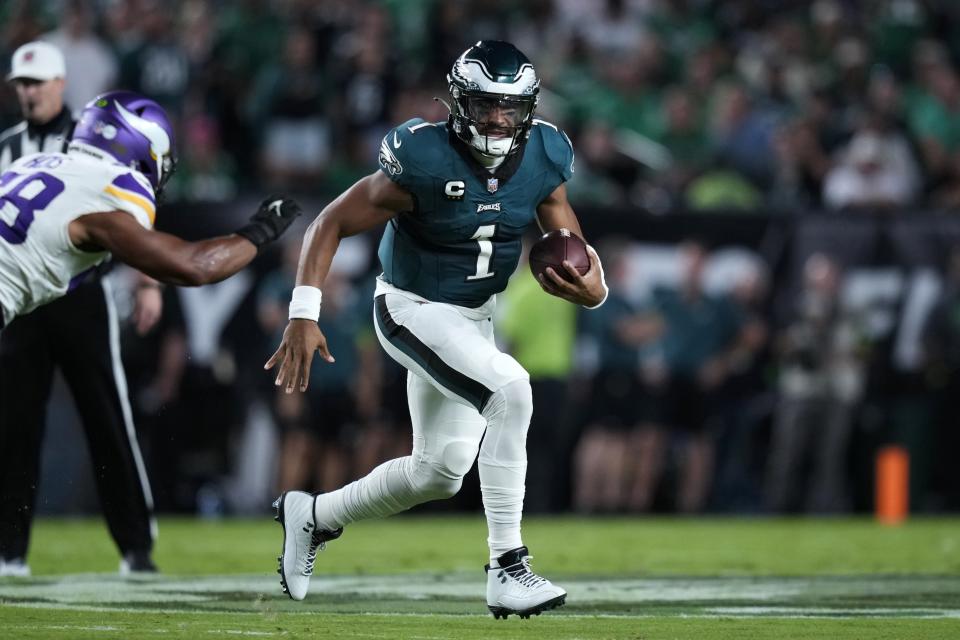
461,242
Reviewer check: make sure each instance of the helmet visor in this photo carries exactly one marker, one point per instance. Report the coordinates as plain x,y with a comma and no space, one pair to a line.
497,116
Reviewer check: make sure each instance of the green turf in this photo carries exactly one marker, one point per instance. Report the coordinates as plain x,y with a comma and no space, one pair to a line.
37,623
420,577
618,546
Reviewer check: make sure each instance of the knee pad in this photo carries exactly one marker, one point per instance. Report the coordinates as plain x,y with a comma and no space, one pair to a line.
442,477
457,458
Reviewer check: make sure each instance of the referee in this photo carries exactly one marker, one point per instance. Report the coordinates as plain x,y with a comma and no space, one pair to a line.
79,335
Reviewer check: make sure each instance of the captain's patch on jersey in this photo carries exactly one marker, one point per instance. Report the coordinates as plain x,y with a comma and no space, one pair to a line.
454,189
389,161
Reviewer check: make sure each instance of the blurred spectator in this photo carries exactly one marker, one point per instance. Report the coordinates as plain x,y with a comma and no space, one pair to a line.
671,106
210,405
802,146
702,334
198,26
681,133
205,173
612,28
745,401
742,134
772,92
316,426
157,65
720,189
895,26
612,450
934,117
604,176
540,330
366,82
155,364
822,352
875,171
290,102
536,25
23,21
448,27
121,25
91,64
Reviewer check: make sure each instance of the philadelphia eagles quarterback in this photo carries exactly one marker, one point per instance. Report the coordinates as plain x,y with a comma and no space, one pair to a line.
456,197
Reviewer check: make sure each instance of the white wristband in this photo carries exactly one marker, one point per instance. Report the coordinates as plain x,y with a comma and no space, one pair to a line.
606,292
603,280
305,303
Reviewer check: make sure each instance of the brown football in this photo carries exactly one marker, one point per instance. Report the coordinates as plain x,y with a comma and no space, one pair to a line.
555,247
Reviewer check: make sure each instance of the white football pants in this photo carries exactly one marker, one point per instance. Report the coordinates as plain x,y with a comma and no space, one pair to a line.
464,395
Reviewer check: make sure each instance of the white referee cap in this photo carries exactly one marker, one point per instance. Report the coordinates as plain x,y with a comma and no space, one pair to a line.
37,61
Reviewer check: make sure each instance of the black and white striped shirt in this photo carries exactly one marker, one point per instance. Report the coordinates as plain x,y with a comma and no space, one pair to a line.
25,138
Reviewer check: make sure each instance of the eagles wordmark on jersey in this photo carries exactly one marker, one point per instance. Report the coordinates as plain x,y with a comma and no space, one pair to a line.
462,241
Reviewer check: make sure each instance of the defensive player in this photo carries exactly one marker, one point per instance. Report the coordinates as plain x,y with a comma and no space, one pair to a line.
62,214
457,197
77,336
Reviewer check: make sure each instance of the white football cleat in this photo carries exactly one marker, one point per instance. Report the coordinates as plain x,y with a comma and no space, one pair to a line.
301,541
14,567
512,587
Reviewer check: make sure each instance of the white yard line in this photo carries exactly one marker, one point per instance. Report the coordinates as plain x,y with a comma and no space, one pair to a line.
682,597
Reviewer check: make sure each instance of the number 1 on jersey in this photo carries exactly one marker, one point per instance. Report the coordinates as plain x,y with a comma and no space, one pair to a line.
482,236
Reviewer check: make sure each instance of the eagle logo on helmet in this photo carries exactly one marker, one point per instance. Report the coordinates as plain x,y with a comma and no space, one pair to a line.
494,90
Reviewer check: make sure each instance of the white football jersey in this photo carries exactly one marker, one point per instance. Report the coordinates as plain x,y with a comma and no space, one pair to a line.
40,195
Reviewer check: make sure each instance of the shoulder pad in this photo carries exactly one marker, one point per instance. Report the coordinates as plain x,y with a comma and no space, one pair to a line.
130,191
557,146
408,149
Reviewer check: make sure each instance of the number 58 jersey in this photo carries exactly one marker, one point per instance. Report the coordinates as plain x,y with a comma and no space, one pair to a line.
462,241
40,195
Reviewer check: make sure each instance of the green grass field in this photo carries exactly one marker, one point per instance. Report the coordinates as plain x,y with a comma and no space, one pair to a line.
421,578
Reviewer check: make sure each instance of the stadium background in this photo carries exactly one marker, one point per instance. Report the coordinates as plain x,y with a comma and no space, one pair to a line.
771,132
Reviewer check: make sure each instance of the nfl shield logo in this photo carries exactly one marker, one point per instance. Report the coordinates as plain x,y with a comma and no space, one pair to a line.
492,184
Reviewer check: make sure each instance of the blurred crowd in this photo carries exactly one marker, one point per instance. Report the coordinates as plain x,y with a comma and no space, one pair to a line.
671,104
688,391
696,388
674,397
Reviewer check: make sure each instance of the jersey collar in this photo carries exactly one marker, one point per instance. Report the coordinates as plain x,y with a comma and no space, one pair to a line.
502,173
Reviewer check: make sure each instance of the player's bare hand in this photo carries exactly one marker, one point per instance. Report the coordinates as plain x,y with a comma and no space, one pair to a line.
301,339
147,307
587,289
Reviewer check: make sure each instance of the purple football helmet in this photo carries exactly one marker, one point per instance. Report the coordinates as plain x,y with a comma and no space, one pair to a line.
133,129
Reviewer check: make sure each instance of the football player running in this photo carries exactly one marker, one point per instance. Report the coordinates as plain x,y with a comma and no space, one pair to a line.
457,197
62,214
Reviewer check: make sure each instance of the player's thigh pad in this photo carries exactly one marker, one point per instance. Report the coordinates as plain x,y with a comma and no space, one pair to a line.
436,341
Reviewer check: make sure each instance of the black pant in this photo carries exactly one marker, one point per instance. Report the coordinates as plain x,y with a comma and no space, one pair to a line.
79,334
